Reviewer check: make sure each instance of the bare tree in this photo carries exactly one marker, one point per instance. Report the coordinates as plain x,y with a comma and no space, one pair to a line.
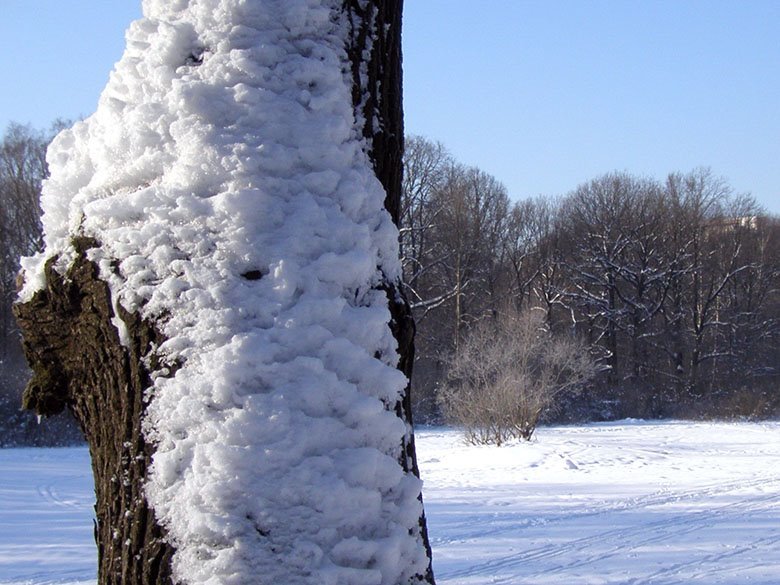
22,169
749,305
470,233
453,242
426,168
535,246
707,223
596,214
507,372
622,266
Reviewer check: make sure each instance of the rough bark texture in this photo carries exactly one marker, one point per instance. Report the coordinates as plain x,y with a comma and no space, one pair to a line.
79,363
377,92
377,89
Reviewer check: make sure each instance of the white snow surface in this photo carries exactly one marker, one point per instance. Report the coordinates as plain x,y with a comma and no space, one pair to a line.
225,143
627,503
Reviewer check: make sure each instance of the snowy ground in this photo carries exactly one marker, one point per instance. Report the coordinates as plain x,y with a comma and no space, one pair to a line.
628,503
46,501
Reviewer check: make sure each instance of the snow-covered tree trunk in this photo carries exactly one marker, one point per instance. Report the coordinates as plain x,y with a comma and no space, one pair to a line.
218,301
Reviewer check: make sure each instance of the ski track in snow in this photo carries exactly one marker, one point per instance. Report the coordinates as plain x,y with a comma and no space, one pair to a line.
618,542
624,503
602,508
634,504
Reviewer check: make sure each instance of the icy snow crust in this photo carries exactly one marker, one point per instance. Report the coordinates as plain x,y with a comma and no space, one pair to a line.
225,144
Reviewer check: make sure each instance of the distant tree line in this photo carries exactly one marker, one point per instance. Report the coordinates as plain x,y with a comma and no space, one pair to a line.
672,285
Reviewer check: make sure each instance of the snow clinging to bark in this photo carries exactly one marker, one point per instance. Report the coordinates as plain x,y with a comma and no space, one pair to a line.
226,180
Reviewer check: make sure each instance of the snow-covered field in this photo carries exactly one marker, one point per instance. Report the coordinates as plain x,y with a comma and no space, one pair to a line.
46,501
627,502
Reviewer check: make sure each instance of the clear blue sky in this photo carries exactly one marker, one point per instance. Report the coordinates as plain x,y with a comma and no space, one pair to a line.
543,94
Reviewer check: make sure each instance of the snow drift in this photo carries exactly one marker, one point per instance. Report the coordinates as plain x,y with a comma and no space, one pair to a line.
226,180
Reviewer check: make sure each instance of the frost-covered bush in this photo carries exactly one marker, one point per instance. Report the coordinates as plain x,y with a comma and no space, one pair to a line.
507,373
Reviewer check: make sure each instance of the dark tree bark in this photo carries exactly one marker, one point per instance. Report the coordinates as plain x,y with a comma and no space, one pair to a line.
381,99
79,363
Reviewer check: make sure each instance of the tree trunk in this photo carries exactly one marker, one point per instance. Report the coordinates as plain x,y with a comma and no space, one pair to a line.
384,97
80,363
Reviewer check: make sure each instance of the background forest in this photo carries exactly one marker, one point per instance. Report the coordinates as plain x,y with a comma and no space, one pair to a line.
671,287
